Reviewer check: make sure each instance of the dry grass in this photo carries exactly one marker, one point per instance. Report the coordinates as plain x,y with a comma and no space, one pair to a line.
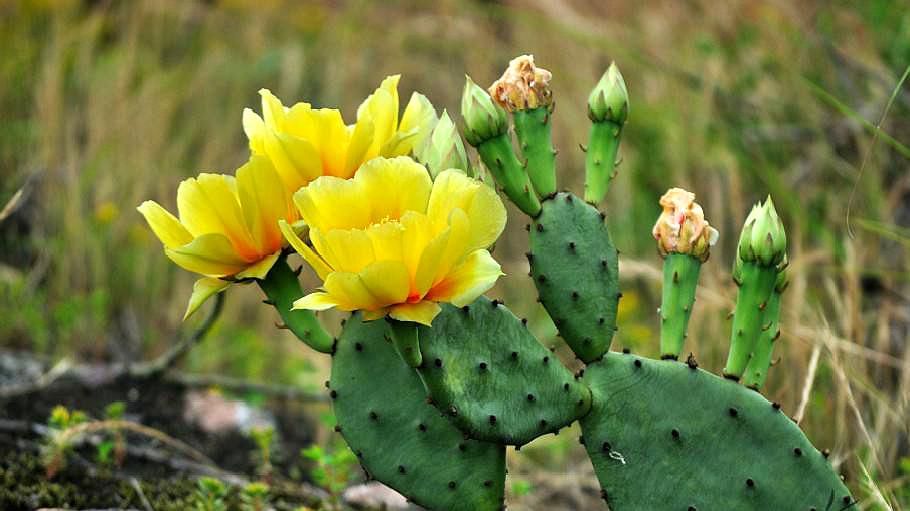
111,103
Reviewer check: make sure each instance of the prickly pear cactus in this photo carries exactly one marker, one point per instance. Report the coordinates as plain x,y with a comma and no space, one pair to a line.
493,379
576,270
430,380
401,439
664,434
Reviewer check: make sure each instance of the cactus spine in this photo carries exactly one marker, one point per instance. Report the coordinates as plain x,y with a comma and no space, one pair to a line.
608,109
281,288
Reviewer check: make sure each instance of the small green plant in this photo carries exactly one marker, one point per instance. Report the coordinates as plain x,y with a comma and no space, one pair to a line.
254,497
334,468
210,494
58,444
264,438
113,450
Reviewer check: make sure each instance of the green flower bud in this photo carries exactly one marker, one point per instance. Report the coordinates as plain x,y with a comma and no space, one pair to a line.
483,118
609,101
763,239
444,148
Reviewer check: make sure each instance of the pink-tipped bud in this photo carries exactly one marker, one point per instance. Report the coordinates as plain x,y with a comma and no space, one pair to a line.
682,228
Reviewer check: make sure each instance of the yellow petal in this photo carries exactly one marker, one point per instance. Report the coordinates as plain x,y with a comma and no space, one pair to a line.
325,130
452,189
416,124
393,186
359,146
421,312
204,289
208,204
273,112
333,203
165,225
254,127
387,281
209,254
344,250
264,201
374,315
443,253
387,239
318,301
316,262
475,276
349,291
382,108
261,268
295,159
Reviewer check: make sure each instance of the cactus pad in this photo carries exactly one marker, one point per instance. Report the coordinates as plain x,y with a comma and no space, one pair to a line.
576,270
380,402
666,436
494,379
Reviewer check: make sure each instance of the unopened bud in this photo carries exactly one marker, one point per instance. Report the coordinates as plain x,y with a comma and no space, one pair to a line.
763,239
609,101
483,118
444,148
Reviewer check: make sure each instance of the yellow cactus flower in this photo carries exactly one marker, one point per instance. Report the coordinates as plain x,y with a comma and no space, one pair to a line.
304,143
391,241
228,226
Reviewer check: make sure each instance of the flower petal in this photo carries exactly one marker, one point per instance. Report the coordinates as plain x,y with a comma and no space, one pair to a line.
254,127
421,312
359,146
349,250
475,276
452,189
318,301
209,204
261,268
388,282
349,291
333,203
382,108
443,253
204,289
393,186
416,124
319,266
165,225
209,254
263,201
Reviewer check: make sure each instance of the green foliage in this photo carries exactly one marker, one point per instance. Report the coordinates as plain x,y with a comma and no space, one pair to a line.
254,497
210,495
264,438
335,468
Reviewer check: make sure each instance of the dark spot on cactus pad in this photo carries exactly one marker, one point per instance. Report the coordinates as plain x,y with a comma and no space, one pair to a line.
543,424
626,351
606,447
482,366
514,355
541,278
692,508
668,357
572,246
546,360
581,440
374,416
422,427
674,433
452,485
539,227
637,362
797,452
524,321
333,394
531,398
358,346
462,447
438,362
402,470
337,428
733,412
846,499
487,483
495,303
826,453
575,295
776,405
492,420
750,483
565,387
327,384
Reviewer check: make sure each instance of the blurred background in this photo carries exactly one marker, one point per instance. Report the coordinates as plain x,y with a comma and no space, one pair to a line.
104,104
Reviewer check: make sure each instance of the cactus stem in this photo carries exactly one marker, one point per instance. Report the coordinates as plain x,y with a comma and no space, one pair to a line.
281,288
405,338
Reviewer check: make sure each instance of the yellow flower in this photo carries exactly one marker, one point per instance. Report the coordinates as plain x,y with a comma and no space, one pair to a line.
228,226
392,241
304,143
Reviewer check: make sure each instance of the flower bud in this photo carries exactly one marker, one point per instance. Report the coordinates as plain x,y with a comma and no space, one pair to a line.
682,228
483,118
609,101
763,239
523,86
444,149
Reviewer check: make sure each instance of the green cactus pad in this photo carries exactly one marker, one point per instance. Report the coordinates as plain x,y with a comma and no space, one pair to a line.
532,127
664,435
401,440
576,270
494,379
